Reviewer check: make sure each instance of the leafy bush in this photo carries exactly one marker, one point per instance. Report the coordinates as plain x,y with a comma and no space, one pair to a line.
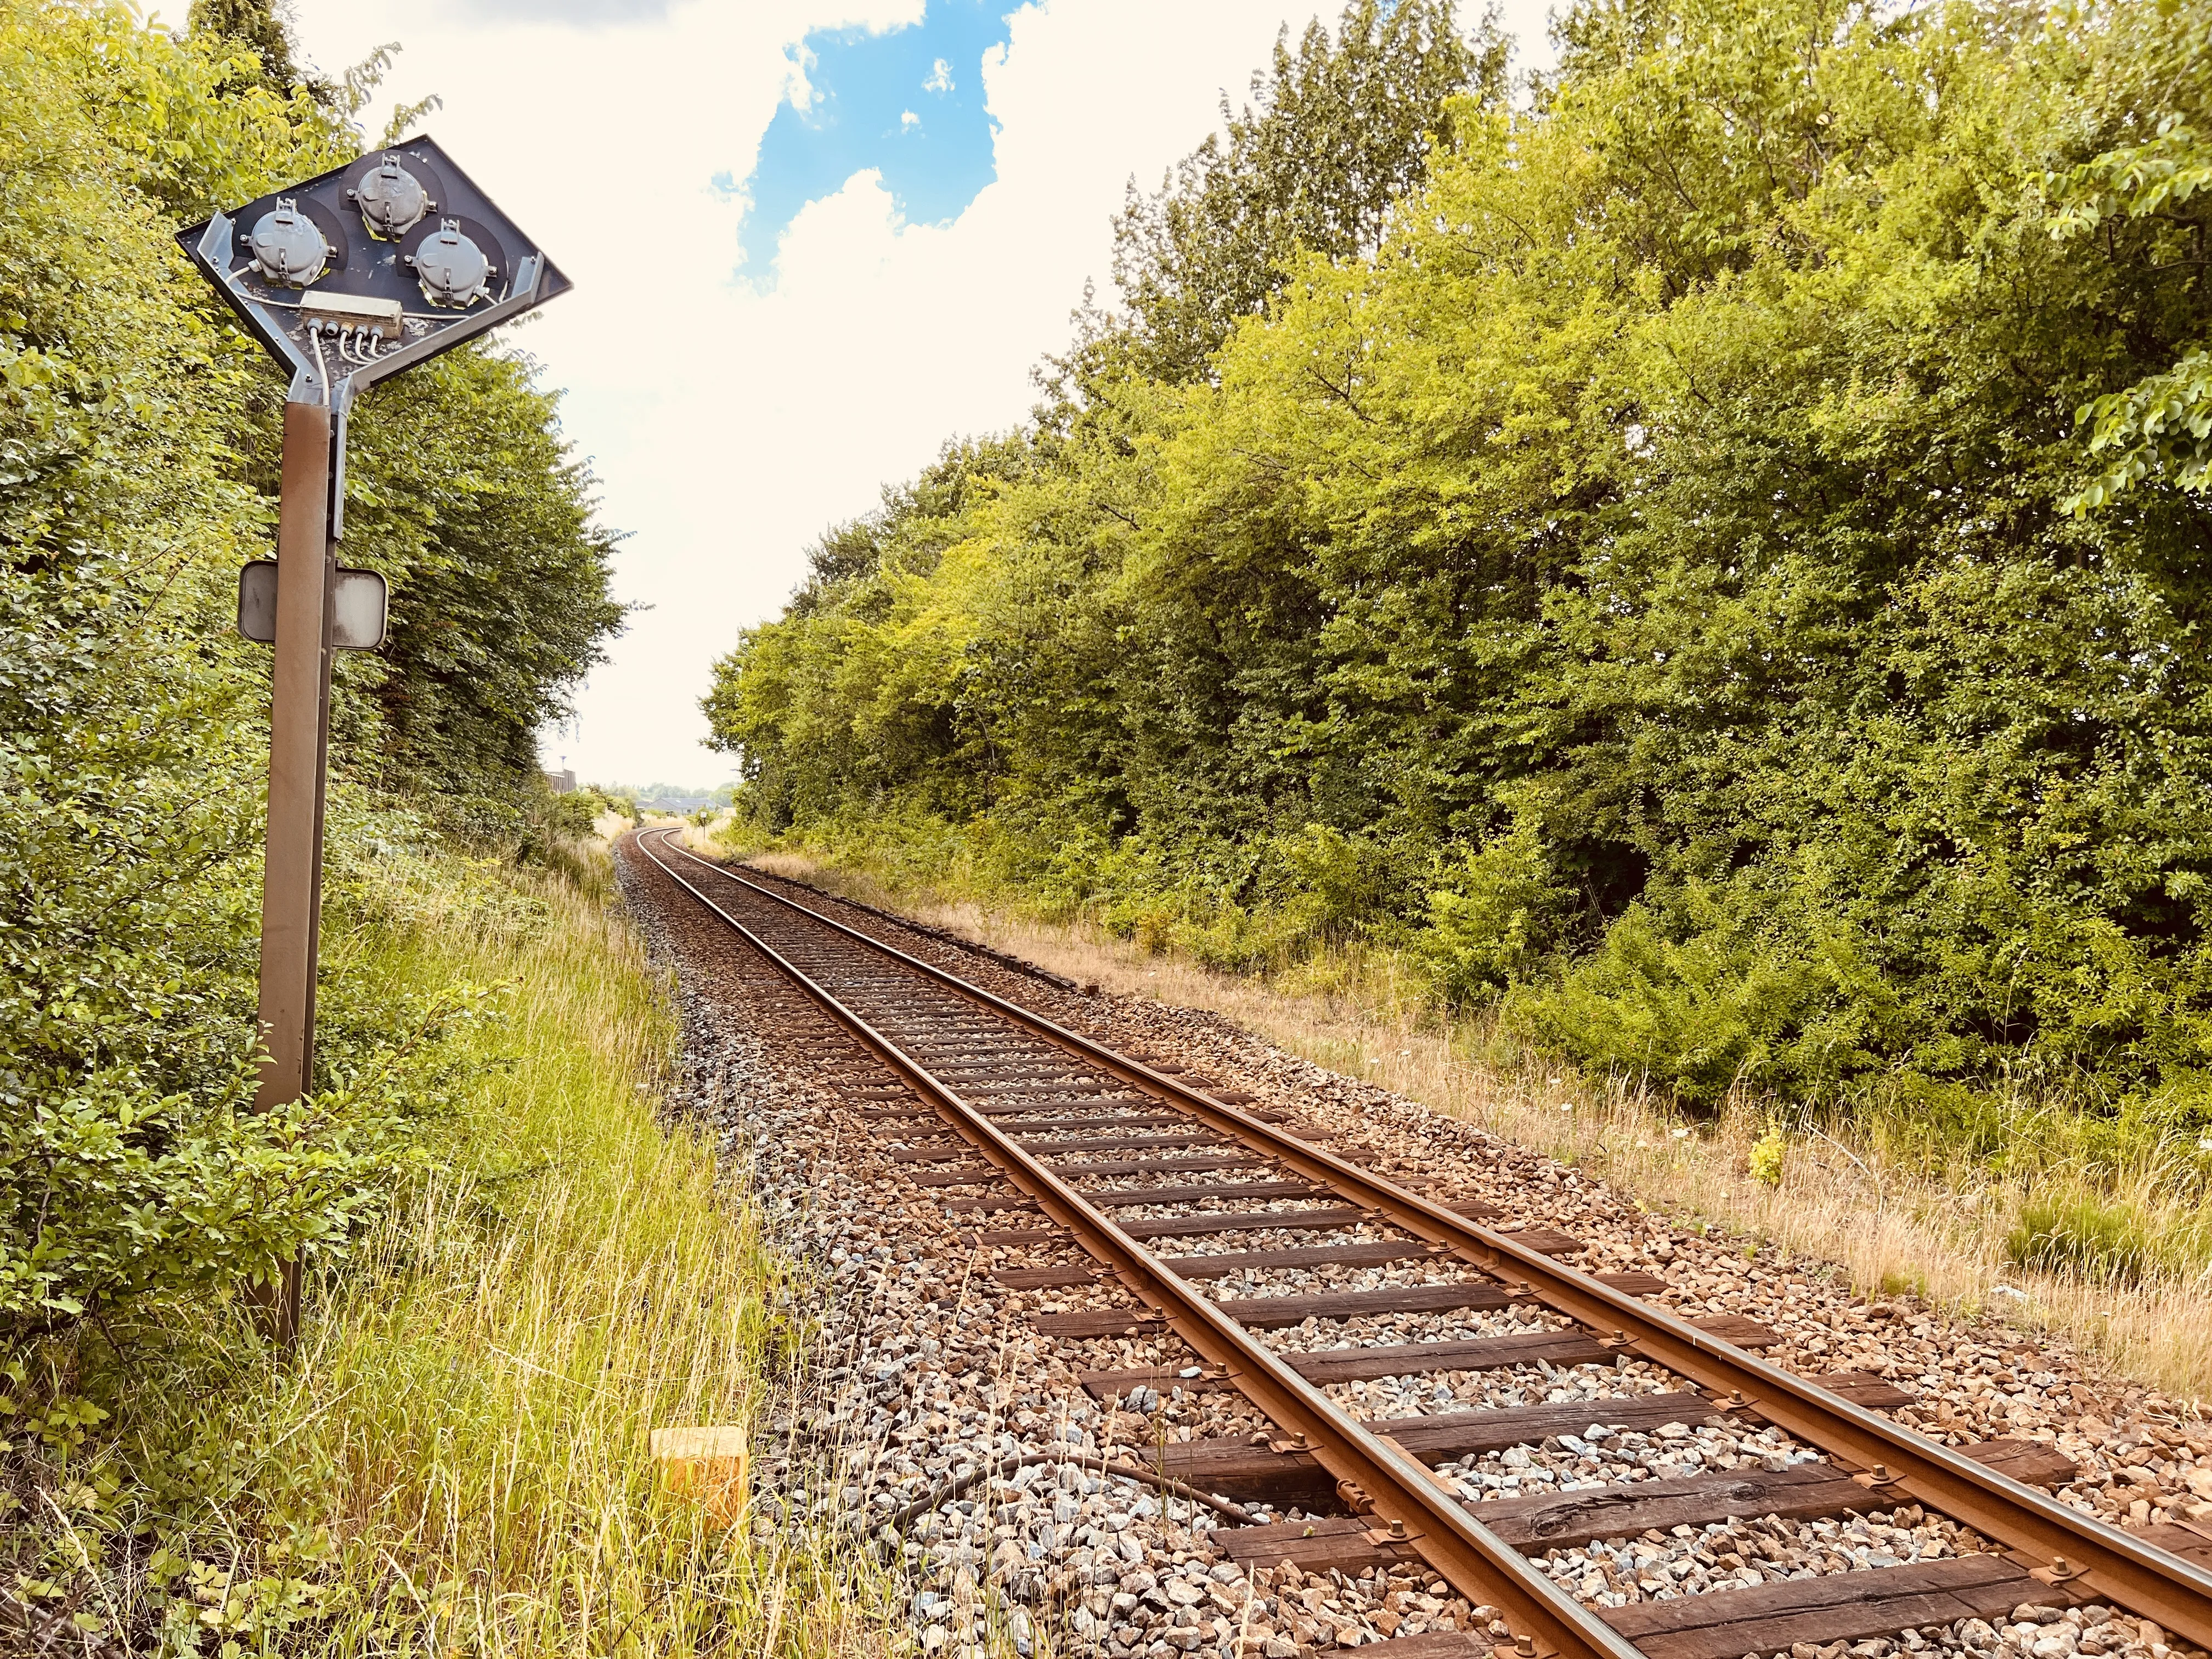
1706,1013
1491,917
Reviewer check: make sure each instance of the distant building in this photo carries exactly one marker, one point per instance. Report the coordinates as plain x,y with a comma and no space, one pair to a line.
561,783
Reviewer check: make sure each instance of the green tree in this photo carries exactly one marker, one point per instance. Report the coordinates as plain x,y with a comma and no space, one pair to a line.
1643,569
1335,134
255,26
2150,105
499,579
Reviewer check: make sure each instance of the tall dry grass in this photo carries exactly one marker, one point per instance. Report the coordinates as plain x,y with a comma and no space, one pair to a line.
456,1459
1946,1229
528,1320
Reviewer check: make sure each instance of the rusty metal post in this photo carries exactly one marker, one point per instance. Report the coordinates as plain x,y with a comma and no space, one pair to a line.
299,725
339,313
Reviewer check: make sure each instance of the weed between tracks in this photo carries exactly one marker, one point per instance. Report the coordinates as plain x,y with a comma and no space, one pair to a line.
456,1460
2120,1262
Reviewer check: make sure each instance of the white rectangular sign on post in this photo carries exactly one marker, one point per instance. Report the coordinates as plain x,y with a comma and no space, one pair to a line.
358,605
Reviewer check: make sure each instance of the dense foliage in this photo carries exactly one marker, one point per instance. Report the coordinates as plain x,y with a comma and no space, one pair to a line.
462,492
1721,579
1316,164
137,447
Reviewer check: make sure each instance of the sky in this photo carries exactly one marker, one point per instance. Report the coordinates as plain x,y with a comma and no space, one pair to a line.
811,240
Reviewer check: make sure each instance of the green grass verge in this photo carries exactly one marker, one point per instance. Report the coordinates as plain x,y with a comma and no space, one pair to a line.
2136,1235
456,1459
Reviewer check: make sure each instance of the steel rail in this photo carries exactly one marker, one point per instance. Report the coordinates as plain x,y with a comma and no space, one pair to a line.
1477,1563
2055,1542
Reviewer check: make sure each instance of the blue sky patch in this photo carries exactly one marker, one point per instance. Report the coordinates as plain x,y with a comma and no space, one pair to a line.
907,102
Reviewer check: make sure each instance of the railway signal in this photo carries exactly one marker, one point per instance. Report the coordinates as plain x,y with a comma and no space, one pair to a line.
346,278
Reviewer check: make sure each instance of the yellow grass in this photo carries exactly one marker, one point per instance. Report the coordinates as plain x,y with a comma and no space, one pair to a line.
457,1460
1940,1234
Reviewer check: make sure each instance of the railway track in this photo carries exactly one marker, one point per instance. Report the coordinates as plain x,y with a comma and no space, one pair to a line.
1166,1183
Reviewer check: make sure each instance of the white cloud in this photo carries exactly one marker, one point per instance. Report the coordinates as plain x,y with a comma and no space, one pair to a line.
728,424
797,89
909,118
940,77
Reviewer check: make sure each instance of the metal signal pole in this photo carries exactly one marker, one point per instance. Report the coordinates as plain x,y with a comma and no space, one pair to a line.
299,736
346,278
